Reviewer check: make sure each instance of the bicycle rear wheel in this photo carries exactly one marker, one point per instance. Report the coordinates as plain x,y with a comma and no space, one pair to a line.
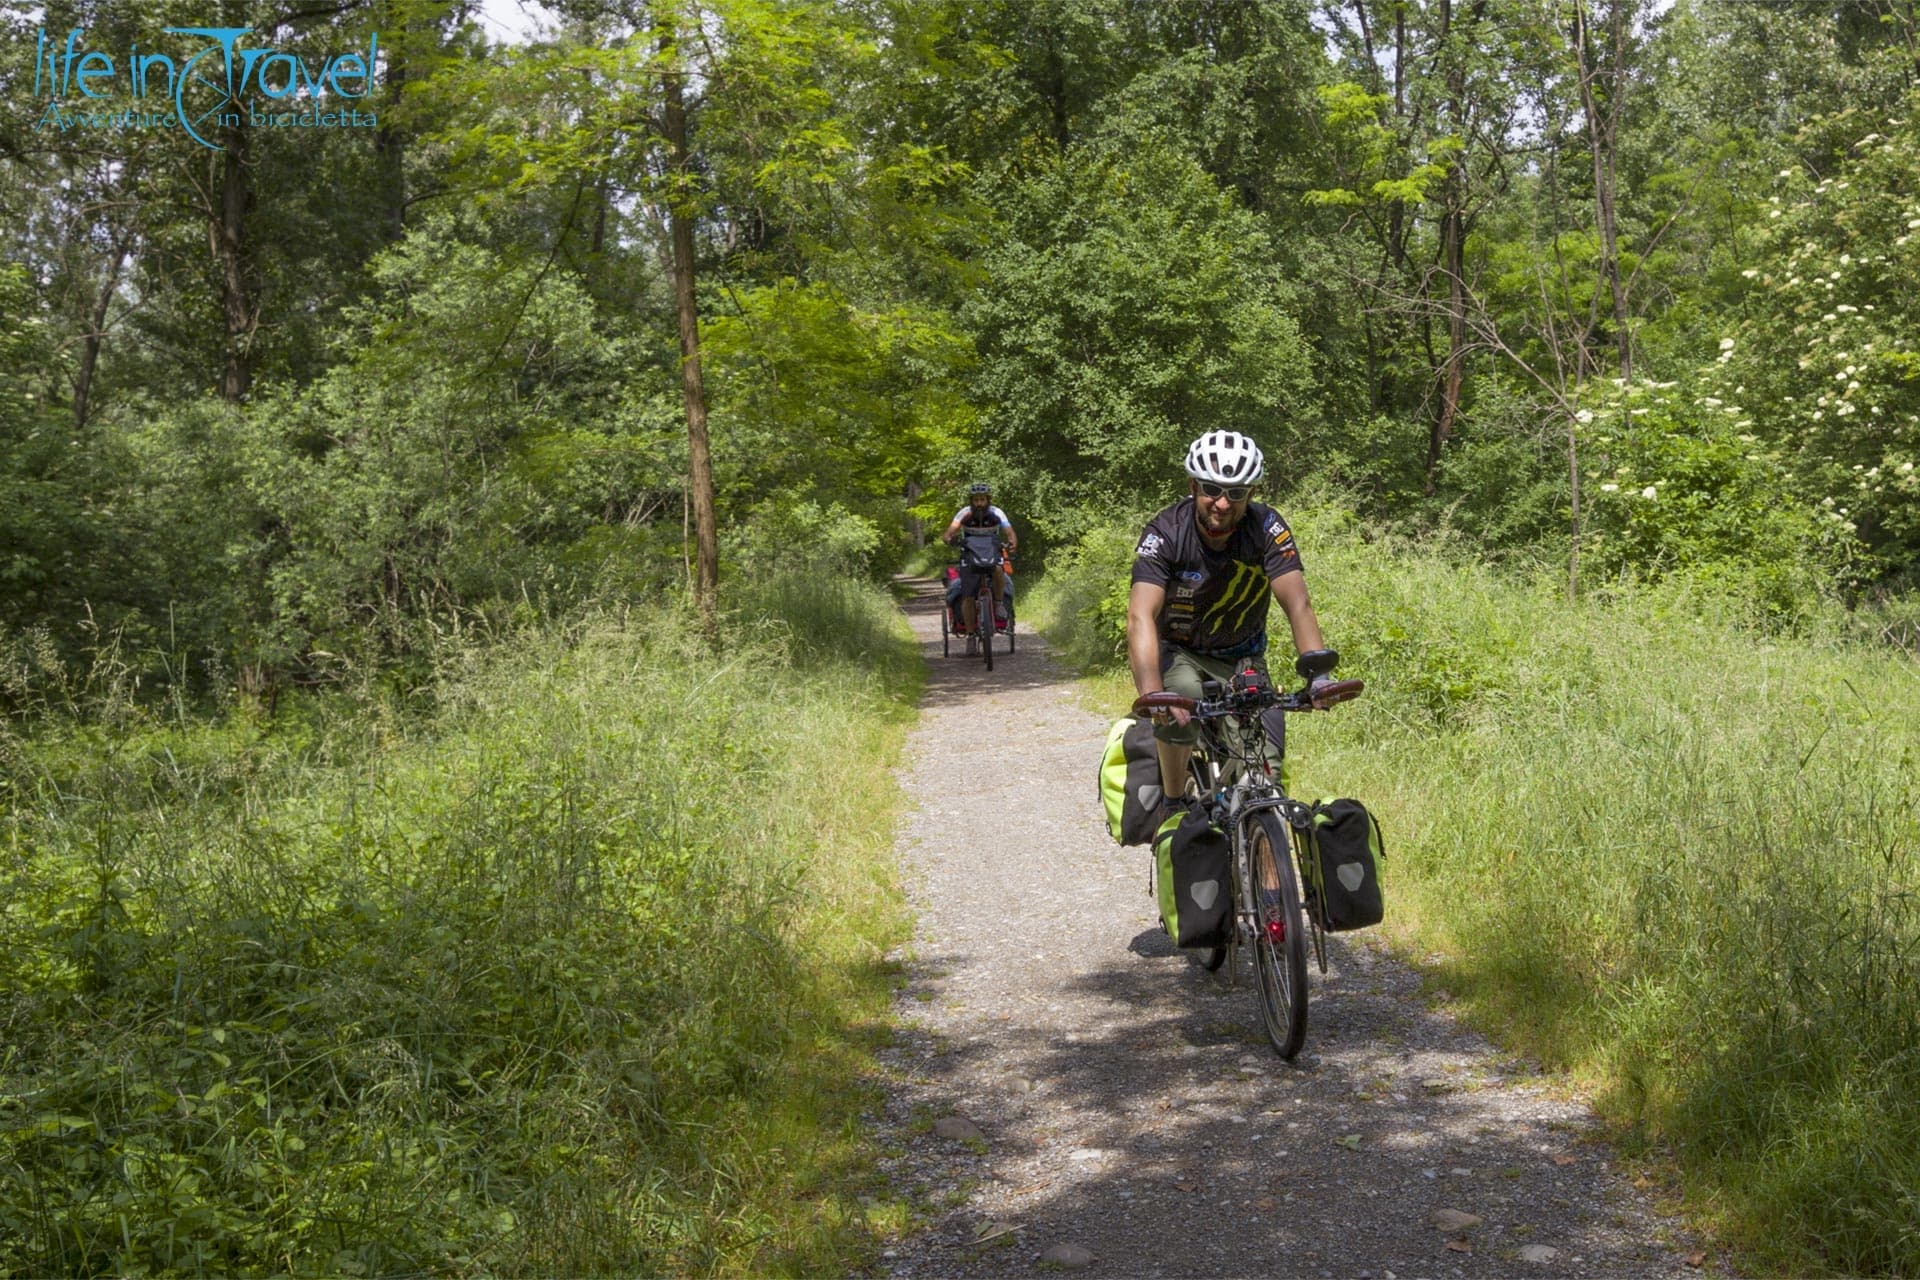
1279,932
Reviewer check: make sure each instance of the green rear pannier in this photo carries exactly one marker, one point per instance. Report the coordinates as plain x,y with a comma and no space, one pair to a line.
1130,791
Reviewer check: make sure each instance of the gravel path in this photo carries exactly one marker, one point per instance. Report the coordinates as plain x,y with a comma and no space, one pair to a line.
1070,1092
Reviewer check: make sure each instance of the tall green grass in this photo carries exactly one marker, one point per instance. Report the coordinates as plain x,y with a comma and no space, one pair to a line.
567,974
1657,847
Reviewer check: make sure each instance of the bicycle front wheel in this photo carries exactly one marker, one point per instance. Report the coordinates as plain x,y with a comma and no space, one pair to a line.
985,625
1279,932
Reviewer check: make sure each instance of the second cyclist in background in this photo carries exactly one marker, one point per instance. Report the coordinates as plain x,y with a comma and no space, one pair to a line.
979,528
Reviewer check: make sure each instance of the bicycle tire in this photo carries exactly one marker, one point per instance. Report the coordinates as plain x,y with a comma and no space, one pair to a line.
983,610
1279,932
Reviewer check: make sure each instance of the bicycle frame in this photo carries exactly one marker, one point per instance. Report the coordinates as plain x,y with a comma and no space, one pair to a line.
1229,747
984,625
1242,796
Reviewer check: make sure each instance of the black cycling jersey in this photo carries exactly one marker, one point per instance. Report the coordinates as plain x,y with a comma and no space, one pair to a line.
1216,600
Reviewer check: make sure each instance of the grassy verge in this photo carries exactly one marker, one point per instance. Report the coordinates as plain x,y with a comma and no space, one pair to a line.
574,973
1658,849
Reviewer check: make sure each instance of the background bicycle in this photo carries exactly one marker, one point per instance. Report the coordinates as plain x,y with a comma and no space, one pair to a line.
978,553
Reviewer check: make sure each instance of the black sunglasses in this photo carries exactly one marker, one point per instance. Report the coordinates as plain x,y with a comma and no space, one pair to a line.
1235,493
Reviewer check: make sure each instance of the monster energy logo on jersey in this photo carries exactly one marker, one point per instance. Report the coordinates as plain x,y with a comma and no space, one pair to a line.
1237,602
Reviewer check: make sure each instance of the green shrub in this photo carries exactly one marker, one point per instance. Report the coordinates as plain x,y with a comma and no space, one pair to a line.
1662,848
520,986
1081,602
1676,482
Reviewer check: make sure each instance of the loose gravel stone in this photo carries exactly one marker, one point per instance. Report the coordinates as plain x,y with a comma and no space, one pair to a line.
958,1129
1156,1125
1070,1256
1455,1221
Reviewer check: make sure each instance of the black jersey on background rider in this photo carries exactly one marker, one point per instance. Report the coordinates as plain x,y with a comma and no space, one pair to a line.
1216,600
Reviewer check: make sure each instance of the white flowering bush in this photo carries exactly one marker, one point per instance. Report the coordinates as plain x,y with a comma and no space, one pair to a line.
1677,481
1828,353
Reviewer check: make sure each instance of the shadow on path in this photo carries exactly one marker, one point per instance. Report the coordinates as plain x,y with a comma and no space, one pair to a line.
1130,1102
955,677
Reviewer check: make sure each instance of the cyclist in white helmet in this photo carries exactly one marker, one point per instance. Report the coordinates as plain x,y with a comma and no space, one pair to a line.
1202,574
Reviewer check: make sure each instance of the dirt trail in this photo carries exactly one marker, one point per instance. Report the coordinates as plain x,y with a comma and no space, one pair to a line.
1128,1104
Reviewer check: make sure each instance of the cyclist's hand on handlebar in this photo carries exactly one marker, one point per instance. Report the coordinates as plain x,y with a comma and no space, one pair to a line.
1179,715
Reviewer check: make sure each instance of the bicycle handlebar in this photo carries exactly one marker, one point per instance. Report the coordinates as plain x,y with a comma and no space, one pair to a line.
1330,694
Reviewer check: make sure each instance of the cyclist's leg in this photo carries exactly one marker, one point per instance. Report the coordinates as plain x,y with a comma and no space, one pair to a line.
1182,672
969,596
1274,722
999,592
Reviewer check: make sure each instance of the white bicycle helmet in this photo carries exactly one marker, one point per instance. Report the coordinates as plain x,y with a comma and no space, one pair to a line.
1225,457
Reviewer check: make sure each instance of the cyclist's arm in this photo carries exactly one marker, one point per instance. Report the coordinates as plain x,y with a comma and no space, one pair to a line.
1013,541
1143,635
1290,589
953,531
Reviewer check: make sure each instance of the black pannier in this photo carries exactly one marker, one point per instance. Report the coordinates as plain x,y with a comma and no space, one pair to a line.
1194,865
1344,872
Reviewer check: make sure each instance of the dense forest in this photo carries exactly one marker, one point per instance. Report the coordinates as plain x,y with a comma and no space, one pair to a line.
349,473
1626,289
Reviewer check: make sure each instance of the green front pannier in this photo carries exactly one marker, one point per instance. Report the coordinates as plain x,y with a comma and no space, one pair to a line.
1344,873
1130,791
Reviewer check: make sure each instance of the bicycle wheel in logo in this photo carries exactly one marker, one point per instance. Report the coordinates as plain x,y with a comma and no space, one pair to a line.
203,93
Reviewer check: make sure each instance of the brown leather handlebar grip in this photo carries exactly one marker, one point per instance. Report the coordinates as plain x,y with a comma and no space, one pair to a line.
1164,700
1337,692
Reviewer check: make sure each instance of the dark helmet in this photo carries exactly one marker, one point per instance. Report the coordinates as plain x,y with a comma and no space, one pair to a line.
979,489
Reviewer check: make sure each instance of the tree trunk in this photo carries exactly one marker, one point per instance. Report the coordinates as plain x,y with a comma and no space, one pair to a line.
227,232
1057,90
604,198
1573,544
390,152
90,347
1453,237
680,215
1400,60
1600,139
